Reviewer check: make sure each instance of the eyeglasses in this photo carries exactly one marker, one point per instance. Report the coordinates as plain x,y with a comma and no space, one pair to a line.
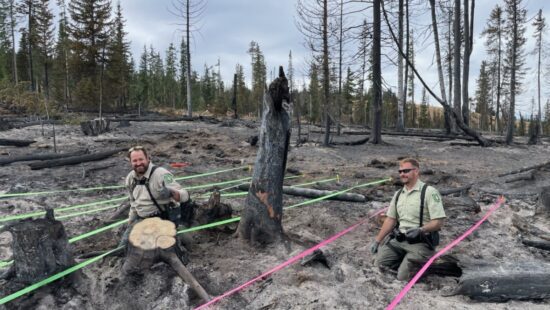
405,170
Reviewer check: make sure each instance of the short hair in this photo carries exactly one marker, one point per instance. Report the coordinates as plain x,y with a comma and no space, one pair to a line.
411,161
137,148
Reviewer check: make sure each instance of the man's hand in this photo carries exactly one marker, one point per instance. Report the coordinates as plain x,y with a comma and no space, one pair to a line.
374,247
165,193
413,233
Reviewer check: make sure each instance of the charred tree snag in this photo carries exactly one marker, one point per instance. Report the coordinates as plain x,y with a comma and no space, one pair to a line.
95,127
153,240
525,281
261,220
40,249
74,159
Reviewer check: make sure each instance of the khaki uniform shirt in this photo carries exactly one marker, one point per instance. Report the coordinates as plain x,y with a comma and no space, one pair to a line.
407,210
140,200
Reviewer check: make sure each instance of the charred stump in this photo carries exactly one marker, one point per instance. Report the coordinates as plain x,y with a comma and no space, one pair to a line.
95,127
153,240
214,210
40,249
261,219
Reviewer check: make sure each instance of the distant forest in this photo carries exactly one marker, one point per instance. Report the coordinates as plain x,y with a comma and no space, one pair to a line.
80,61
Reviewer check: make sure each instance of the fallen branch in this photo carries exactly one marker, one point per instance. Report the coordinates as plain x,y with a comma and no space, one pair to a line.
543,245
522,177
358,142
462,189
12,159
74,160
524,169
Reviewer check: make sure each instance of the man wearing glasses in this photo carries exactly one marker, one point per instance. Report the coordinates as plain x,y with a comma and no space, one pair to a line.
151,188
412,223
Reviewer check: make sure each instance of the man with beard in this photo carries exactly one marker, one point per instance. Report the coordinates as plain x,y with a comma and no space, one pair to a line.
412,223
152,189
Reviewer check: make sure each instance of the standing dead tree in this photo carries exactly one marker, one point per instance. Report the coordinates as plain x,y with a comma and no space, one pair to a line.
447,108
261,219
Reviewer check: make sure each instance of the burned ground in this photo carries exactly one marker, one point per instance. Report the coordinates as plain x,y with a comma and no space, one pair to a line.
219,261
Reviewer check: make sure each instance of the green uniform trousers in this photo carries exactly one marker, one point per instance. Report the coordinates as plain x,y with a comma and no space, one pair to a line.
396,255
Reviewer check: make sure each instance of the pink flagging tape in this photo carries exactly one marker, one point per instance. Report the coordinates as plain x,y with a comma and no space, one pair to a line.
289,262
409,285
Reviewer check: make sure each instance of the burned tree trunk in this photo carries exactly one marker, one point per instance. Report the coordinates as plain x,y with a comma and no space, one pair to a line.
153,240
261,220
95,127
40,249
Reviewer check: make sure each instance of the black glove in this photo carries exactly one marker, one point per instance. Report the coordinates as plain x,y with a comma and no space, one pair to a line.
414,234
374,247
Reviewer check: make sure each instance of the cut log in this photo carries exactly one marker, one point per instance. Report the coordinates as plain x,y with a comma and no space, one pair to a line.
40,248
525,281
528,176
19,143
261,219
152,240
74,159
4,160
315,193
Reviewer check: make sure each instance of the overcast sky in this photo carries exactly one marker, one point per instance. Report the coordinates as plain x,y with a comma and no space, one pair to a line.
228,27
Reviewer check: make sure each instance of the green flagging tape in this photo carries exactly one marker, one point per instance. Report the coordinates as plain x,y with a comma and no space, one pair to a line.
55,277
97,231
207,195
85,212
40,213
196,228
6,263
209,173
110,186
238,218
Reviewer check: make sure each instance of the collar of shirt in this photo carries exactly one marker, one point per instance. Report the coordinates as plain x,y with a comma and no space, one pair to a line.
417,187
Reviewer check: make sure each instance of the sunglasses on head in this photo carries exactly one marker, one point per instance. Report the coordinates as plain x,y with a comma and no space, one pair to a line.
406,170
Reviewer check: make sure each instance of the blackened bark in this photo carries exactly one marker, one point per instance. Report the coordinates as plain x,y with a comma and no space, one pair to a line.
261,220
40,249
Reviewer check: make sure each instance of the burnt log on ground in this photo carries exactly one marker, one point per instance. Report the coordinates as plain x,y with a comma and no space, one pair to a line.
503,282
208,119
95,127
537,166
527,228
528,176
153,240
315,193
261,219
40,249
539,244
445,266
4,160
449,191
74,159
356,142
14,142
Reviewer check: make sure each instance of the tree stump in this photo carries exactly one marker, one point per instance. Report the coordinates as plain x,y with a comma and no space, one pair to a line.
153,240
214,210
261,219
95,127
40,249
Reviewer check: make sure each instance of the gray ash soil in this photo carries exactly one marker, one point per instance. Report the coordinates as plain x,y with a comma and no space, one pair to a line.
220,261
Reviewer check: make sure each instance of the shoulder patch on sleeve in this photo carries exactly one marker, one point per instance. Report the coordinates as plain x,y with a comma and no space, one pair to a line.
168,178
436,197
